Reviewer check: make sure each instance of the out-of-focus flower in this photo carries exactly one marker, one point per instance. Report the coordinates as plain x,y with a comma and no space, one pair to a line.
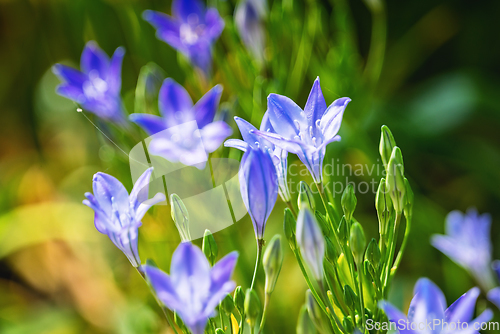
494,294
258,187
305,132
118,214
311,242
96,87
428,306
193,289
190,130
248,16
467,243
192,30
250,139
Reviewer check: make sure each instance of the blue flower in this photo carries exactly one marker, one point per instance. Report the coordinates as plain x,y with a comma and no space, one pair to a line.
191,132
118,214
467,243
248,16
192,29
305,132
311,242
428,310
258,187
193,289
278,155
97,86
494,294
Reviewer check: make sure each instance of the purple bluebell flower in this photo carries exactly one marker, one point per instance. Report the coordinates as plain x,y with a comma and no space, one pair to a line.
305,132
96,87
192,131
467,243
118,214
193,289
192,30
249,16
311,242
428,312
494,294
278,155
258,187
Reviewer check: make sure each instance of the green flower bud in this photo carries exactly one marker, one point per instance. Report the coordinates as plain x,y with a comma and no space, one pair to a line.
329,271
343,231
252,307
325,228
387,144
209,247
349,202
331,253
305,324
289,225
272,261
315,312
357,241
178,321
408,207
219,331
306,197
239,299
395,182
373,253
383,204
180,216
350,297
227,305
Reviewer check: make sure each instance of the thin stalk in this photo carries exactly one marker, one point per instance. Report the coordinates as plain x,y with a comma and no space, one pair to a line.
163,308
260,244
221,317
361,300
290,206
392,251
330,307
263,320
403,245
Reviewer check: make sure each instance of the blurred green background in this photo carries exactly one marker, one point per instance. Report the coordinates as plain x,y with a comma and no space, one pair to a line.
435,81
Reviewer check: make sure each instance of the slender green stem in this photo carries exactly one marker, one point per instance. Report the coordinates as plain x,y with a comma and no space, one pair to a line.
221,317
330,307
403,245
264,312
163,308
290,206
391,252
361,300
308,281
260,245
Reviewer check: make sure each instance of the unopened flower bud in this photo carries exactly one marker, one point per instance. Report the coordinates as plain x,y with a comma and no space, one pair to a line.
383,204
349,202
306,197
343,231
347,323
331,253
373,253
357,241
272,261
239,299
305,324
180,216
227,305
350,297
395,182
325,227
311,242
219,331
209,247
252,307
387,144
289,225
409,197
315,312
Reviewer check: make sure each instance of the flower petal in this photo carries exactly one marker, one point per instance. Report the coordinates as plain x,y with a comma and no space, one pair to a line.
236,143
396,316
150,123
427,304
72,76
223,270
174,101
206,107
141,187
94,59
462,310
315,107
189,266
332,118
214,134
286,116
110,192
494,296
144,207
163,287
114,75
167,28
214,24
186,10
71,92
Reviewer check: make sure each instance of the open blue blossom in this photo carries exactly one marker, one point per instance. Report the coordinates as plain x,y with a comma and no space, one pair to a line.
428,312
305,132
193,289
192,29
258,187
278,155
494,294
96,87
118,214
311,242
467,243
249,16
188,132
